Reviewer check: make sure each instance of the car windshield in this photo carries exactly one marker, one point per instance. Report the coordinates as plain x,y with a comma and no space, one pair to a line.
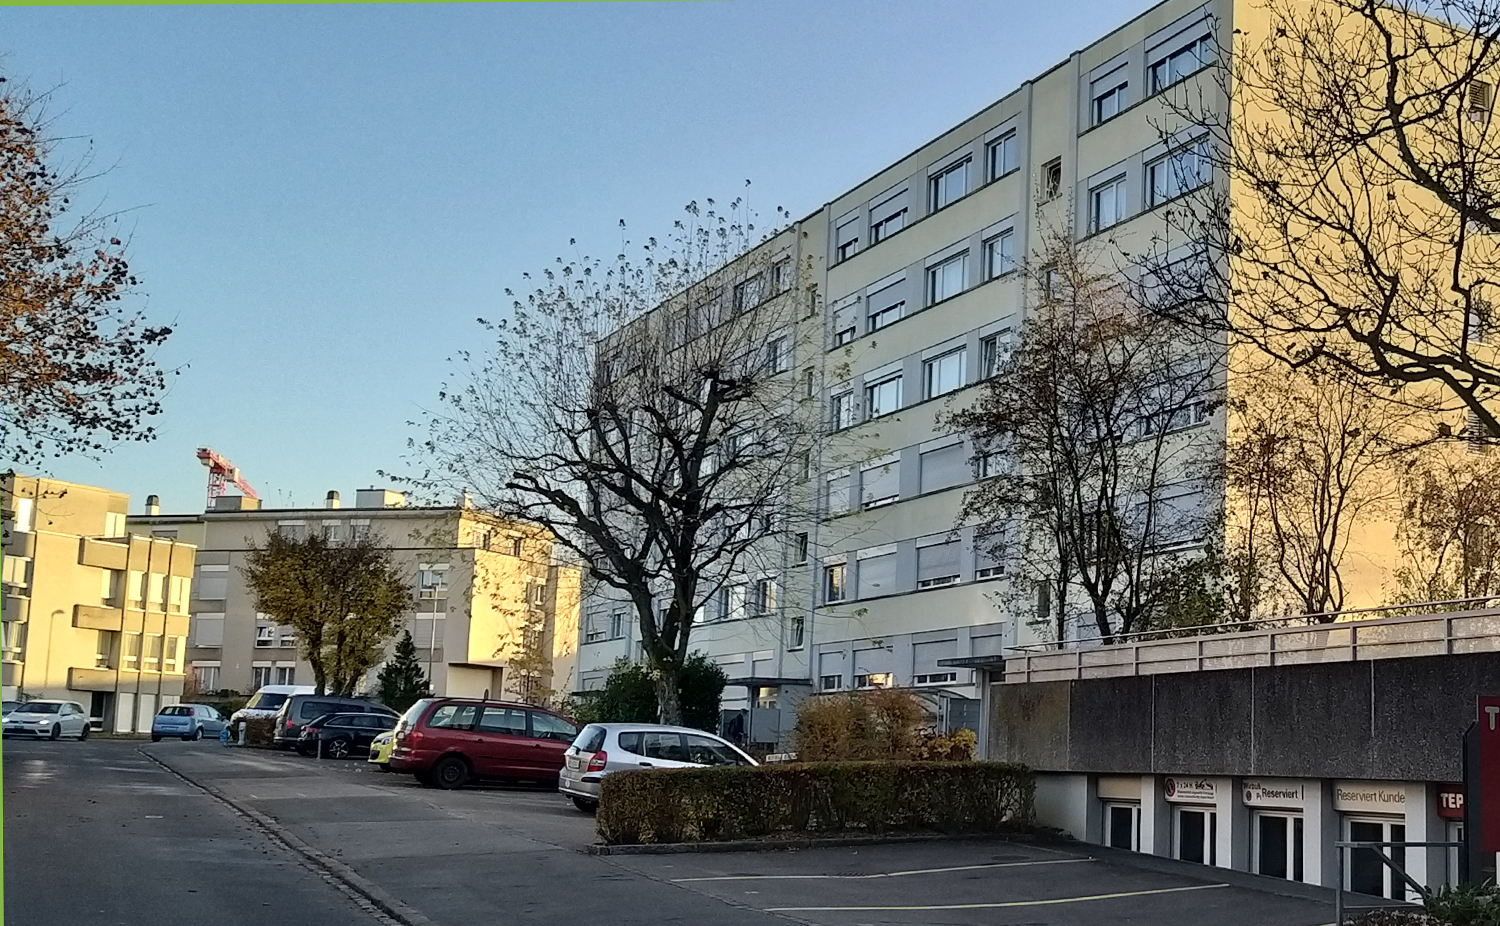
10,706
177,710
266,701
39,707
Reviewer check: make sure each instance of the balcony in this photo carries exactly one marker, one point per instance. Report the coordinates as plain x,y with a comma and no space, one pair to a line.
15,608
91,679
97,617
106,554
10,673
18,543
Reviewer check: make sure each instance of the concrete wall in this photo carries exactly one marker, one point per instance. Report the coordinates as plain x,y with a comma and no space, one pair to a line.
1385,719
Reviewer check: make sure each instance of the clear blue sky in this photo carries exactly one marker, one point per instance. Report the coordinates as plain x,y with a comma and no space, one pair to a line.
322,199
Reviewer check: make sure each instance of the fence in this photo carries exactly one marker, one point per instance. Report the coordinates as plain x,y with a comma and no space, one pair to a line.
1265,643
1397,869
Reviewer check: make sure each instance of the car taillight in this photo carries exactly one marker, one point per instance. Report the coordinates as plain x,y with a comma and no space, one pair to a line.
597,761
288,724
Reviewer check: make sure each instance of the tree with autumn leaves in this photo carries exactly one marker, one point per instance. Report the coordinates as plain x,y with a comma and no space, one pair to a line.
77,364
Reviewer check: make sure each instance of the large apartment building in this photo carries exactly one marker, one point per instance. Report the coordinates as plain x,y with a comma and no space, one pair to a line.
915,279
91,613
478,587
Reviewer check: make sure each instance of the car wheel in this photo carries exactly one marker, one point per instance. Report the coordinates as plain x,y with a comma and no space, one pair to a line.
56,731
156,737
84,733
585,805
336,748
450,773
198,734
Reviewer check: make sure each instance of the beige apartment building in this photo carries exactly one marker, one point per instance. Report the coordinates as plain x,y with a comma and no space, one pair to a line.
91,613
914,279
478,585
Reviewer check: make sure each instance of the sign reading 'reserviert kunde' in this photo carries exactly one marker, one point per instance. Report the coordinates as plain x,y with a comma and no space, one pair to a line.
1369,797
1191,790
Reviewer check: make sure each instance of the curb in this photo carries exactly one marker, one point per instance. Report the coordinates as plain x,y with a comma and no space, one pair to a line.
320,861
833,842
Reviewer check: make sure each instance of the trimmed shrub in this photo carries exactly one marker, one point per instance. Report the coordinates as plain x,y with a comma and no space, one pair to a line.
707,804
879,724
259,731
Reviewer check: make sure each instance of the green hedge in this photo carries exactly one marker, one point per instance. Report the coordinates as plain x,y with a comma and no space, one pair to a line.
707,804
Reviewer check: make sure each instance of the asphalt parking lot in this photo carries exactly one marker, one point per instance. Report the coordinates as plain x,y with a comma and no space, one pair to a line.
517,854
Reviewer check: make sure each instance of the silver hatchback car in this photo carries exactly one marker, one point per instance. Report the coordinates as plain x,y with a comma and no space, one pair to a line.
603,748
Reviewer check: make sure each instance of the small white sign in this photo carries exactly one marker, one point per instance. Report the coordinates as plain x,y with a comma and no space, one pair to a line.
1369,797
1265,792
1191,790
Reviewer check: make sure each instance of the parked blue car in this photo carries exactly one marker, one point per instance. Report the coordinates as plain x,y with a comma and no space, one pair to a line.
188,721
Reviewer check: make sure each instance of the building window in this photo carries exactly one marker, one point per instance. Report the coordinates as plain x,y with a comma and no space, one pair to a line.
835,583
206,677
593,630
809,382
333,531
950,184
947,279
1107,204
796,638
880,484
265,636
799,548
935,678
837,493
765,596
888,225
937,564
830,682
104,649
873,680
132,651
1180,63
781,275
846,241
888,315
883,397
1108,102
1000,255
172,656
1051,179
432,581
944,374
260,676
993,351
285,674
778,357
537,593
152,662
213,583
1177,173
295,531
749,294
844,335
841,411
109,589
180,594
1052,287
515,546
617,625
1002,155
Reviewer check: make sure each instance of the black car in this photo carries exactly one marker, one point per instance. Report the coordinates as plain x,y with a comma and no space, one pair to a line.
337,736
299,709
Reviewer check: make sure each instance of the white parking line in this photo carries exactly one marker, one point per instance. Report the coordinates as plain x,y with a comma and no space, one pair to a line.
883,874
995,906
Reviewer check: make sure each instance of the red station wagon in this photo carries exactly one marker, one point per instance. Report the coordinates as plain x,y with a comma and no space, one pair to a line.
449,742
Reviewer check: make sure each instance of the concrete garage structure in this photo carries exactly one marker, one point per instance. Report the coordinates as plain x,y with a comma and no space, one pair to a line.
1256,750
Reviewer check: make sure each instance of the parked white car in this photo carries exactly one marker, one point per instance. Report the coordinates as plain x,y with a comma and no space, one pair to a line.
604,748
49,719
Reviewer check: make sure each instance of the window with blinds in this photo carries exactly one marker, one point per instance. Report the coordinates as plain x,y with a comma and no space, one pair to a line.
945,467
877,575
937,564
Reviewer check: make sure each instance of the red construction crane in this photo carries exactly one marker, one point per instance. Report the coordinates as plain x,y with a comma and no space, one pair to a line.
221,473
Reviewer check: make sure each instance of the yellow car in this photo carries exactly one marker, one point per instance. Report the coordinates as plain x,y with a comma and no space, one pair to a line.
380,750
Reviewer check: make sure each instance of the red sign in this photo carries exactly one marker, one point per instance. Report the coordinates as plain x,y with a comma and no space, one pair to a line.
1488,730
1450,802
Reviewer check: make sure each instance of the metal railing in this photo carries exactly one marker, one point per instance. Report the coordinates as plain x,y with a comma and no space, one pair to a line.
1265,643
1398,870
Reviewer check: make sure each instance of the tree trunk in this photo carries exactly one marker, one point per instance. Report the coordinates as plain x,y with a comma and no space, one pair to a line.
669,693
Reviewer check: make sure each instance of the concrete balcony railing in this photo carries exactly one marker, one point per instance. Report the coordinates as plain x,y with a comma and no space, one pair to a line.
97,617
91,679
15,608
1294,641
18,543
104,553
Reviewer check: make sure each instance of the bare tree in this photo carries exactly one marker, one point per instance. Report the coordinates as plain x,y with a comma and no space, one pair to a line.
1354,225
1094,451
1449,530
643,410
1308,457
76,367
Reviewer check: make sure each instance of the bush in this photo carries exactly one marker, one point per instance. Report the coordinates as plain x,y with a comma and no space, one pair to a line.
866,725
707,804
1466,905
259,731
629,695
